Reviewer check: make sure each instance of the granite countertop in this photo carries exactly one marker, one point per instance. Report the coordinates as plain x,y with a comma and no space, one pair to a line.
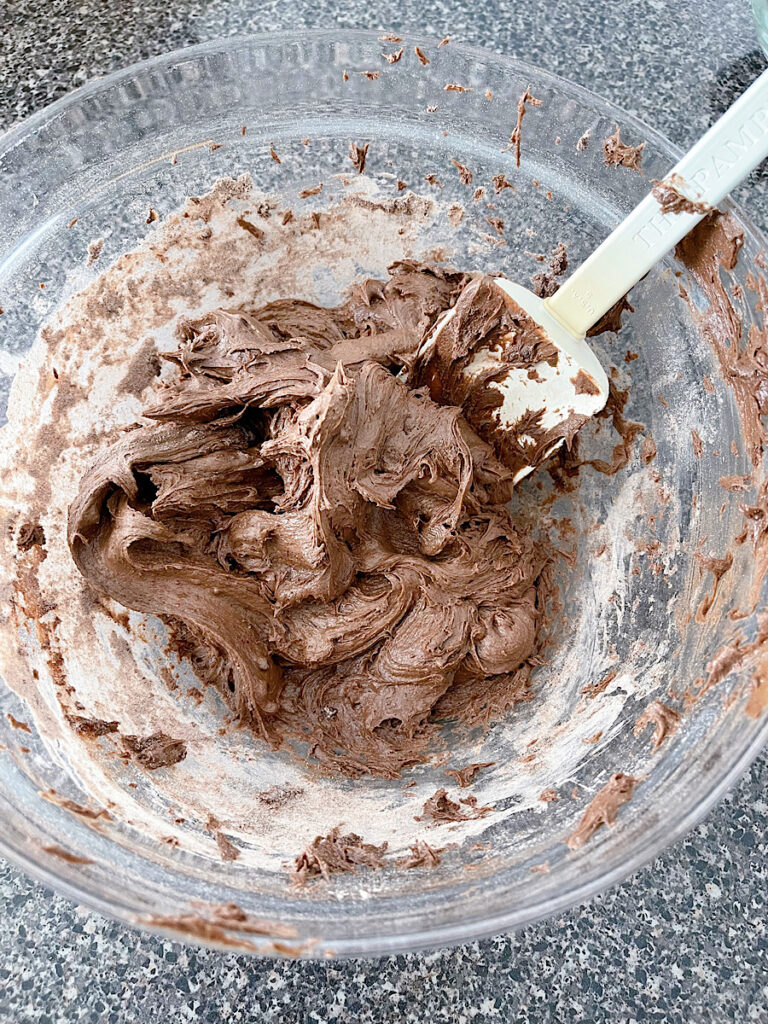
683,940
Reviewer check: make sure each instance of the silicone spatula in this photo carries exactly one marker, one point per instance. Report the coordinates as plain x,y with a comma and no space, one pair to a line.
721,159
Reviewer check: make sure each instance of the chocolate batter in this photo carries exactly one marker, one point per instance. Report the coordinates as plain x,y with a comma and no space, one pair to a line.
332,543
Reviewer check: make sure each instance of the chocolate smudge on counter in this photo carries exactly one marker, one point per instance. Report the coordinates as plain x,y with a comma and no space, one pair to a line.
583,141
465,776
603,808
455,87
618,154
314,191
156,751
423,59
548,796
439,808
664,720
671,196
522,106
335,854
393,58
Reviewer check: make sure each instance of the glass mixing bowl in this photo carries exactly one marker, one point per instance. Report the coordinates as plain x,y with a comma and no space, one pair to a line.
103,155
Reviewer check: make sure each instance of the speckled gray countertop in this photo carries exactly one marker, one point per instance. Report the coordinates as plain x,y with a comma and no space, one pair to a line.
686,939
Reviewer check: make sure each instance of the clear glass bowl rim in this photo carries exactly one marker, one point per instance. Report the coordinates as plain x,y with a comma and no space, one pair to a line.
656,839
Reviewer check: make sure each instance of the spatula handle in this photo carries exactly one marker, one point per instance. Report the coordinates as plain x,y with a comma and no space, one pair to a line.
722,158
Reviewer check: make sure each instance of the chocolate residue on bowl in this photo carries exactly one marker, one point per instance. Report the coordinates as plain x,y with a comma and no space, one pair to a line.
17,724
155,751
91,727
70,858
422,855
439,808
618,154
465,175
515,137
336,854
603,808
544,283
227,849
718,567
30,535
465,776
714,245
500,183
664,720
583,141
358,155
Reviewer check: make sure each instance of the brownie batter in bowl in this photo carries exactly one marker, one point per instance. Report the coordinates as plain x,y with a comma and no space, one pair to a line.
287,654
